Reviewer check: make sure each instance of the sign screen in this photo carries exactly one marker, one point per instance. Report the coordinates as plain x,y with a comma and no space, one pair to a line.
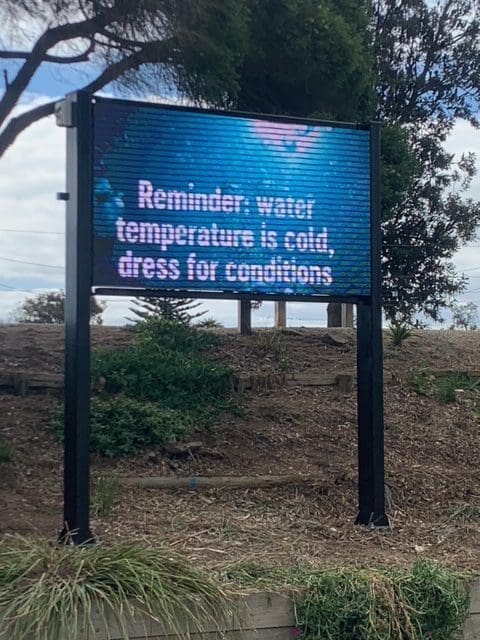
203,201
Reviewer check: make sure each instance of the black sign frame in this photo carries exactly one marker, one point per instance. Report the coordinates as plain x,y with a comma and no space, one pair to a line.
76,113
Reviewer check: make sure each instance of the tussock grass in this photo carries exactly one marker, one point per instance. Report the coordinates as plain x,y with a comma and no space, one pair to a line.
49,592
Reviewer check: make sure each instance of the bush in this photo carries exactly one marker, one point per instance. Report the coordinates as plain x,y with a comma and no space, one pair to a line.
165,364
122,426
156,390
428,601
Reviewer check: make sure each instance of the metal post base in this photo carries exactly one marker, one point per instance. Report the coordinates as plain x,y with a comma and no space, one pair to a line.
374,520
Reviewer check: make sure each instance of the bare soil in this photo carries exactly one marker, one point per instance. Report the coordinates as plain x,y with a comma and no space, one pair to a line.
432,458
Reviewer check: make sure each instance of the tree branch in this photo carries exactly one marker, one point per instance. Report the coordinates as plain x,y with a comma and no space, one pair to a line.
21,122
81,57
50,38
150,52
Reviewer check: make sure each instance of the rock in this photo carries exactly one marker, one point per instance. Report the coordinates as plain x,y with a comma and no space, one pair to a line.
336,338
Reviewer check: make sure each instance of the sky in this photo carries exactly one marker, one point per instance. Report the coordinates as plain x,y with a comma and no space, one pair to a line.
32,221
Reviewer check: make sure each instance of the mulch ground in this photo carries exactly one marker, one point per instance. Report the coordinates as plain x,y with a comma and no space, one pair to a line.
432,458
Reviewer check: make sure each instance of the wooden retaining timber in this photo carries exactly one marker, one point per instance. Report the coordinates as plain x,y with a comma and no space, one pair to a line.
261,616
219,482
21,382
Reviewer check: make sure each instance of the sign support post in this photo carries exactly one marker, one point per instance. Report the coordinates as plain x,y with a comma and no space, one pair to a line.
75,113
371,473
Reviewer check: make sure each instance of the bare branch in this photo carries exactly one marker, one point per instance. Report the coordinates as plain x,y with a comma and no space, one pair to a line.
81,57
150,52
21,122
50,38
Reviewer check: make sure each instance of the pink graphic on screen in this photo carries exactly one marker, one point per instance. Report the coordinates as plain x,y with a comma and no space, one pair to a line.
294,139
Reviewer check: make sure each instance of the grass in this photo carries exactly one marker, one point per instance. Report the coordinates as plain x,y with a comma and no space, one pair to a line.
48,591
6,451
105,495
271,343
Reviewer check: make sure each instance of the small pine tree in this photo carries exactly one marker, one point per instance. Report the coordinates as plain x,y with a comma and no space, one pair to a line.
178,309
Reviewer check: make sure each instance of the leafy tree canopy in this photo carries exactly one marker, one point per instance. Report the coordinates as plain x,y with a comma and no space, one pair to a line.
49,308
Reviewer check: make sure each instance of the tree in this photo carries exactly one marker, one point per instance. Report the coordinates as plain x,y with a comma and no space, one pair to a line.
307,58
427,57
464,316
49,308
146,45
178,309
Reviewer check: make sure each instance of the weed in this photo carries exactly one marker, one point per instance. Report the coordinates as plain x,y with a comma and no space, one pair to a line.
48,591
6,451
466,513
447,385
399,332
105,495
270,343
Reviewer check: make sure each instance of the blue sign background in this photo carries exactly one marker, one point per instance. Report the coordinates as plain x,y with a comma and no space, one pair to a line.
200,201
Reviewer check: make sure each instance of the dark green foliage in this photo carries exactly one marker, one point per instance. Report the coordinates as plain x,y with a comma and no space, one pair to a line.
156,390
165,364
6,451
427,60
209,323
49,308
354,604
306,57
122,426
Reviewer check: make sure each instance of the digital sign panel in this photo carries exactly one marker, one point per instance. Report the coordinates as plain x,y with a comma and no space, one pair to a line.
202,201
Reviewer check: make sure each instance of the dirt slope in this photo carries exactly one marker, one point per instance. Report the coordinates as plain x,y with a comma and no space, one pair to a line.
432,458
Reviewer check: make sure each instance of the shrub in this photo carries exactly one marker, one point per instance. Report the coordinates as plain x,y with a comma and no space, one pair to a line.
122,426
155,390
166,364
428,601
